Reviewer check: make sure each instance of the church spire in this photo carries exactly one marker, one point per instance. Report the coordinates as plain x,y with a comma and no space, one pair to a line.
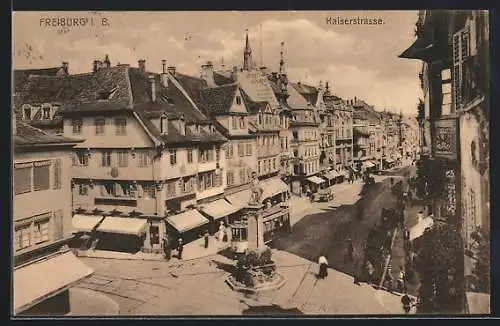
247,54
282,60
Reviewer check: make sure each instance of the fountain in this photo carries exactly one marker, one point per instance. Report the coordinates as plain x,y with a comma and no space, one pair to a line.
255,270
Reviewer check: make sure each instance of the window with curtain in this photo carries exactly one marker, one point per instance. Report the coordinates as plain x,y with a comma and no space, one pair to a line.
22,236
173,156
106,158
123,158
144,159
121,127
190,155
41,175
249,149
22,179
41,231
241,150
99,126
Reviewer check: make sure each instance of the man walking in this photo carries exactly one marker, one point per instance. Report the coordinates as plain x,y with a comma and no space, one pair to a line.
401,280
180,248
406,301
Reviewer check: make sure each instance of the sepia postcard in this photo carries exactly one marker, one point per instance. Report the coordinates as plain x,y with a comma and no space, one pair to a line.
250,163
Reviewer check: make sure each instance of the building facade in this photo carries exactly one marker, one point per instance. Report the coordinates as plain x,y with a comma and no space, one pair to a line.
453,46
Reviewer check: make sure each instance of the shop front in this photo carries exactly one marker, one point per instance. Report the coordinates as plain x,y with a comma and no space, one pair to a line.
189,225
332,177
219,211
124,234
84,227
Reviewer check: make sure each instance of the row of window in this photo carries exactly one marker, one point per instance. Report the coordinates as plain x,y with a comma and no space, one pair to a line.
267,166
100,126
36,176
268,120
238,122
109,158
268,141
244,173
244,149
37,230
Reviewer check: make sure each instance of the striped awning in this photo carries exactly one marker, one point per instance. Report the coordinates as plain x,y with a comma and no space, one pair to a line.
240,199
368,164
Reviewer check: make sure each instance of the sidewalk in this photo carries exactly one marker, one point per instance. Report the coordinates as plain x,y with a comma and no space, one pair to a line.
192,250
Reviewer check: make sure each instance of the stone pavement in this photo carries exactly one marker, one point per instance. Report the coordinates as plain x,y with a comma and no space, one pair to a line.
198,288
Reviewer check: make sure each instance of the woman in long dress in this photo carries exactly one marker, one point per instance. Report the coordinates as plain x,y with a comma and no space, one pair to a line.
221,232
323,267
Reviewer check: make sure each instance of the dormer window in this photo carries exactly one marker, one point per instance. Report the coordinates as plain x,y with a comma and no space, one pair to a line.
238,100
26,112
107,94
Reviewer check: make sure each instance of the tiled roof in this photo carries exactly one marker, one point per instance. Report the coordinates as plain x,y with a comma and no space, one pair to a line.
218,100
309,92
193,87
252,106
28,135
20,76
220,79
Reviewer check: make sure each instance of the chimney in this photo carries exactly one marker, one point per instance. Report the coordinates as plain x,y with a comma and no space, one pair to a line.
106,62
97,65
163,75
171,70
152,87
142,65
65,66
207,73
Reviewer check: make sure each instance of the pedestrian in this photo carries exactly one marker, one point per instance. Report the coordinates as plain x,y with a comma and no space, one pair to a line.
221,232
406,301
207,239
401,279
323,267
180,248
370,270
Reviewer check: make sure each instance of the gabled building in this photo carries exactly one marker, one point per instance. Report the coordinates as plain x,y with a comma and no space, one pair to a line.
149,153
43,270
305,139
33,99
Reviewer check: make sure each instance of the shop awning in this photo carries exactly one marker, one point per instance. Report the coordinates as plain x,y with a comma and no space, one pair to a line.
346,173
368,164
240,199
389,160
123,225
315,179
219,209
46,278
332,175
186,221
85,223
273,187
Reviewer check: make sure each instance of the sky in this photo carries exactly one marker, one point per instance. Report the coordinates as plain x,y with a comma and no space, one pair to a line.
357,60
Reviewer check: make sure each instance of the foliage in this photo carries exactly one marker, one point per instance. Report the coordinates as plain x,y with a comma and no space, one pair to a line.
254,258
482,267
440,268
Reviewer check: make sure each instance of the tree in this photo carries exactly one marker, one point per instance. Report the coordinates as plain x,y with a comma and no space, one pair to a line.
481,269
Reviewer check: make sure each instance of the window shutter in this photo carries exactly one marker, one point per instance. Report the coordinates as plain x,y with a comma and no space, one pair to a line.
460,54
57,225
57,174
